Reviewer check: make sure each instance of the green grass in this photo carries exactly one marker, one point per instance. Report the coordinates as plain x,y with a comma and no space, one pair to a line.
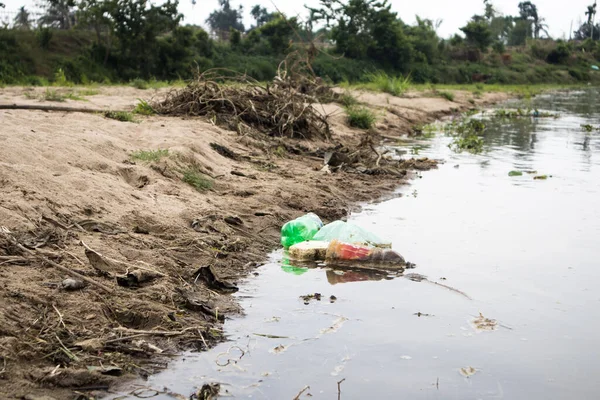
87,92
382,82
360,117
149,155
196,179
53,95
139,84
143,108
446,95
122,116
347,100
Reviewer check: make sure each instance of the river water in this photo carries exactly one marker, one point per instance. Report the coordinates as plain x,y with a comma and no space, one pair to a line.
524,251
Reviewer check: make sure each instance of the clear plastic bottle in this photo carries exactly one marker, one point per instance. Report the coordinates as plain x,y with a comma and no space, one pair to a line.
300,230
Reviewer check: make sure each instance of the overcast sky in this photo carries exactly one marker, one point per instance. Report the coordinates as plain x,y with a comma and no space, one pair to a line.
559,14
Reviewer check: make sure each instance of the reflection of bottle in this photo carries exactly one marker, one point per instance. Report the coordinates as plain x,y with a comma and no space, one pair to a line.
292,269
351,252
300,230
335,277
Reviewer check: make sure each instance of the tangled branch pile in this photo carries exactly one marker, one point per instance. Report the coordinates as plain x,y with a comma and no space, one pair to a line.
283,107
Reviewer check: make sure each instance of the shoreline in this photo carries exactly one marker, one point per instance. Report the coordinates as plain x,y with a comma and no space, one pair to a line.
73,178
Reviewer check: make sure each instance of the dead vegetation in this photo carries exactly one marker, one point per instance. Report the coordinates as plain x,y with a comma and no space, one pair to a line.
283,107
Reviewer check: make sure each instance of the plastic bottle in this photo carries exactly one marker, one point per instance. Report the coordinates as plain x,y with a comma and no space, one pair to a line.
351,252
300,229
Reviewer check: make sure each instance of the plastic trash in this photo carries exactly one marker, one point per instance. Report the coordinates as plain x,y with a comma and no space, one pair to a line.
351,252
300,230
308,251
349,233
595,68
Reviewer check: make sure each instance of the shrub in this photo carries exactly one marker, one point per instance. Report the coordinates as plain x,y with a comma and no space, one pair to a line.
395,86
447,95
560,54
143,108
149,155
139,84
43,37
199,181
122,116
360,117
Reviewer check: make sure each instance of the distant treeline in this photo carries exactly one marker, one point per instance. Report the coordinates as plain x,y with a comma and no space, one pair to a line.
123,40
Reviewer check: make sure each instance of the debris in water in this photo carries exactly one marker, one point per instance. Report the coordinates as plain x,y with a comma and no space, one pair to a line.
531,172
266,335
515,173
208,391
467,371
308,297
406,357
420,314
482,323
332,299
542,177
279,349
337,324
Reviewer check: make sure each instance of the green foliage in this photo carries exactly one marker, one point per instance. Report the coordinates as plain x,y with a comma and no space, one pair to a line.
198,180
143,108
589,128
225,18
467,135
43,37
53,95
347,100
447,95
60,79
139,83
364,29
360,117
515,173
478,34
396,86
149,155
122,116
560,54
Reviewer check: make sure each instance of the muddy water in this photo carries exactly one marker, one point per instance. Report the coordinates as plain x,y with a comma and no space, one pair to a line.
525,251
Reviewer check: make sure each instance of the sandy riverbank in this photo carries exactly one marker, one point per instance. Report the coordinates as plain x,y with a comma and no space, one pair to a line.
69,179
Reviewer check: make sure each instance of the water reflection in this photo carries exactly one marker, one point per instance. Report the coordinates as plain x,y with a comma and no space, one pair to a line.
337,273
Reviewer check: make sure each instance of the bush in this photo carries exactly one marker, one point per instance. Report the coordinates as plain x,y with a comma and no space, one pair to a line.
395,86
560,54
43,37
360,117
139,84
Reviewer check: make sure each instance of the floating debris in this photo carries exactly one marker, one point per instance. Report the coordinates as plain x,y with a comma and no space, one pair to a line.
467,372
482,323
515,173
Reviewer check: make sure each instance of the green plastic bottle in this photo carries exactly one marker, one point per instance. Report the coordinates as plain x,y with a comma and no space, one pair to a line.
300,230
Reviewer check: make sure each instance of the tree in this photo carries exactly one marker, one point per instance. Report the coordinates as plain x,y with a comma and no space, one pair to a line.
519,33
224,19
59,14
137,25
97,14
529,12
591,13
478,34
22,20
261,15
366,29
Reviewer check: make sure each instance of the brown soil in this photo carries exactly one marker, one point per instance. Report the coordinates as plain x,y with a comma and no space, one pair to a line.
68,180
